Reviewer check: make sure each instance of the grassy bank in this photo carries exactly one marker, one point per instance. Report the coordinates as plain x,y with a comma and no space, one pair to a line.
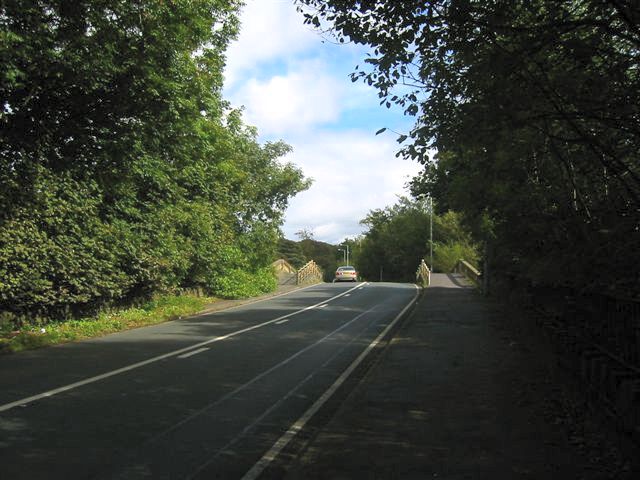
161,309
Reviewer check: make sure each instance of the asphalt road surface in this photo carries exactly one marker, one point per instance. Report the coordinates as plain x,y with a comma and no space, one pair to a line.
211,396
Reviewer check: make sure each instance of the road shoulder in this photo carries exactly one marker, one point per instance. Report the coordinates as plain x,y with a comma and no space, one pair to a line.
458,393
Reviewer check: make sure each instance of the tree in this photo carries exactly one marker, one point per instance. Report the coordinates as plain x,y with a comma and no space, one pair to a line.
305,233
292,252
532,108
123,172
398,239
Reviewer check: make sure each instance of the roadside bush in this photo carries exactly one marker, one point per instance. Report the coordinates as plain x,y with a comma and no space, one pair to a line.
239,283
446,255
124,177
56,256
159,309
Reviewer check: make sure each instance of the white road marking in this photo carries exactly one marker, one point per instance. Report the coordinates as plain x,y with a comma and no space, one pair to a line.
209,312
290,393
258,377
284,440
286,319
87,381
195,352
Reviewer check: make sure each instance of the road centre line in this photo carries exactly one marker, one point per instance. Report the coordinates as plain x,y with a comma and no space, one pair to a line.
258,377
284,440
260,300
288,395
195,352
175,353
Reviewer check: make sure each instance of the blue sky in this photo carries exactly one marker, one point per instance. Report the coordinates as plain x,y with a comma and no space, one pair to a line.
295,86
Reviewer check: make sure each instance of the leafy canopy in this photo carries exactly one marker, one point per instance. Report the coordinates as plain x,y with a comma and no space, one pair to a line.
398,238
526,120
123,172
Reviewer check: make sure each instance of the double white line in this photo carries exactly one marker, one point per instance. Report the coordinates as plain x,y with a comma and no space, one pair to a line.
284,440
181,353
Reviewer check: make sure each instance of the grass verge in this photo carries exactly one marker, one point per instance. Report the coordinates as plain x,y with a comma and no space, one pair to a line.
160,309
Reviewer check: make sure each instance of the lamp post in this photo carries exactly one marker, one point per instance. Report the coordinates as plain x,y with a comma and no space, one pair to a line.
345,254
430,232
430,208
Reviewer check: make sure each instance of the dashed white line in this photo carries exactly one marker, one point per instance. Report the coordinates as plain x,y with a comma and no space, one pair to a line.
275,405
175,353
195,352
284,440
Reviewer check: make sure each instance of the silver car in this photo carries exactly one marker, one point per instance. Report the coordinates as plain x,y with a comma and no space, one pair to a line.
346,274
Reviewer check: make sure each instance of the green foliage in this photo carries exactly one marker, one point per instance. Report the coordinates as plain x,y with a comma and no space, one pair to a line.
395,242
237,283
324,254
56,253
292,252
123,174
447,254
452,242
532,108
398,239
159,309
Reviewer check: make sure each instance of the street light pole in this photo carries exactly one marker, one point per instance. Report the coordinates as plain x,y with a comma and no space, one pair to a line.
431,232
345,254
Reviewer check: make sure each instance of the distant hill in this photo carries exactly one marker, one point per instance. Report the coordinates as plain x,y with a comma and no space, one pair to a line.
292,252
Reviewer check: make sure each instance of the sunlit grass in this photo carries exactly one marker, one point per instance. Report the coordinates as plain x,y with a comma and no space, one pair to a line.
160,309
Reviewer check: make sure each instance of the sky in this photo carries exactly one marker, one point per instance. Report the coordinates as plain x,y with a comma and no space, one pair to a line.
294,86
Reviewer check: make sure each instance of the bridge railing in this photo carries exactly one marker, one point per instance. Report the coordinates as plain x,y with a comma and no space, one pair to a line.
309,273
423,274
286,273
469,271
282,266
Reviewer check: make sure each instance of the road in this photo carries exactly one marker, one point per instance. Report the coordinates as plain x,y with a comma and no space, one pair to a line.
211,396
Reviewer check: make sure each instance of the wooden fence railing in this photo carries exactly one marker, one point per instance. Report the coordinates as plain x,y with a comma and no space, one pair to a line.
282,266
469,271
423,274
309,273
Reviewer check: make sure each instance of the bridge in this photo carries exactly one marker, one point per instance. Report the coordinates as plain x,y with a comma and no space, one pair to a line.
327,381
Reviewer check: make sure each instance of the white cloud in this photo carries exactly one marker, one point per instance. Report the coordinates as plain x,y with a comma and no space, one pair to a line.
271,30
295,87
297,101
354,172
